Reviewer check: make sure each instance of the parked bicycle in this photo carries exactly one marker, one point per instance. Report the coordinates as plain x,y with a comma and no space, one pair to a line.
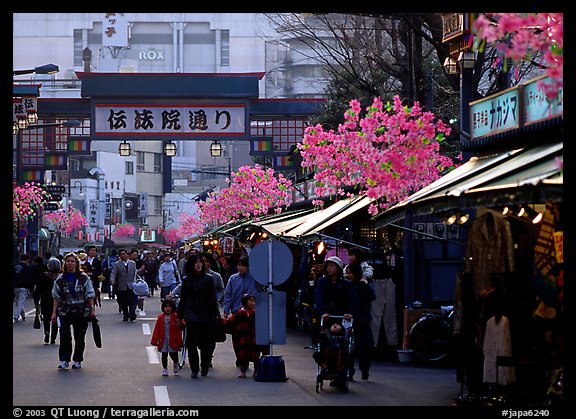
431,337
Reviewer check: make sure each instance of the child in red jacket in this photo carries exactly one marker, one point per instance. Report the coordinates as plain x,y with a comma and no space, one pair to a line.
167,336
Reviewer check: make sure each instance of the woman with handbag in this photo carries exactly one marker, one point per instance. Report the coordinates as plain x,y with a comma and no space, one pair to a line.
199,309
73,295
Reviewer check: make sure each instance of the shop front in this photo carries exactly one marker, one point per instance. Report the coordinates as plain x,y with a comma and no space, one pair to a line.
487,238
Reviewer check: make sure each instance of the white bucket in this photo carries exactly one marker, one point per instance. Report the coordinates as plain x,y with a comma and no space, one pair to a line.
405,355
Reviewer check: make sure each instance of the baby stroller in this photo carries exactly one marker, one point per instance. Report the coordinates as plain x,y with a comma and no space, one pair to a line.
332,352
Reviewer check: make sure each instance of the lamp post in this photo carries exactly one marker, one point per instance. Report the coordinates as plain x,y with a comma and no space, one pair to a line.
216,151
43,69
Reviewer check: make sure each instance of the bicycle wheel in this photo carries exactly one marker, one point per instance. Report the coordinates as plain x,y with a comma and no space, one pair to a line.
431,338
182,351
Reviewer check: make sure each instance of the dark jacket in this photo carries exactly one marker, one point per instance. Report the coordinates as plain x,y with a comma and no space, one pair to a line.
22,276
198,300
335,298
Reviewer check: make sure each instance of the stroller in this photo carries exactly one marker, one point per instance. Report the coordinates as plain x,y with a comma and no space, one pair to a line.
332,352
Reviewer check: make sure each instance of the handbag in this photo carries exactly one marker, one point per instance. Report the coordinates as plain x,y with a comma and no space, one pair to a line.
219,332
96,332
36,324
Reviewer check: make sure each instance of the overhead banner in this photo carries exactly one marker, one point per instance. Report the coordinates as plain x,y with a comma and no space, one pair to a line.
174,121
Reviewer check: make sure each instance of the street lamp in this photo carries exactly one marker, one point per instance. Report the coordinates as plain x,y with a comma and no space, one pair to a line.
124,149
170,149
43,69
81,192
215,149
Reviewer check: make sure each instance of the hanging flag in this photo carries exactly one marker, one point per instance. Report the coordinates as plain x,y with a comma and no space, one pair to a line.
261,146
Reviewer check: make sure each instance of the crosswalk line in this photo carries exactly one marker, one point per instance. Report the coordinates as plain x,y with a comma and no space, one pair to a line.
161,396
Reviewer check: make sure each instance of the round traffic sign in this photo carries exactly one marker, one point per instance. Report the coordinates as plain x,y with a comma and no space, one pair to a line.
281,262
23,233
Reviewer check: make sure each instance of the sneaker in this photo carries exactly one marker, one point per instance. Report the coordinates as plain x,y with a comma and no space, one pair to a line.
63,365
194,375
176,370
164,372
204,373
76,365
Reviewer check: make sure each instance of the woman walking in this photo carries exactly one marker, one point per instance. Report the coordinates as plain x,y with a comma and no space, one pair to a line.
199,309
73,305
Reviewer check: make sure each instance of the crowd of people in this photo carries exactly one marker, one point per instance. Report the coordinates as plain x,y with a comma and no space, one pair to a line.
196,295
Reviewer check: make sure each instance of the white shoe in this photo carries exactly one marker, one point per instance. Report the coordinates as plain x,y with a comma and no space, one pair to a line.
164,372
76,365
63,365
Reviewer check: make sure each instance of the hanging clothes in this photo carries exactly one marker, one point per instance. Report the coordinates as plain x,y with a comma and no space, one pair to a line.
497,342
490,249
384,311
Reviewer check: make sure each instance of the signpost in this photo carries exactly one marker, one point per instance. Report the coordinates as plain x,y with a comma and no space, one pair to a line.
271,264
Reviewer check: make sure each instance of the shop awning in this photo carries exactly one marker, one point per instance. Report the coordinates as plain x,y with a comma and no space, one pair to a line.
517,176
315,225
310,222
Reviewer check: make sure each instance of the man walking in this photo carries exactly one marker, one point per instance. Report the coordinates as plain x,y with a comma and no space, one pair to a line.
123,275
22,283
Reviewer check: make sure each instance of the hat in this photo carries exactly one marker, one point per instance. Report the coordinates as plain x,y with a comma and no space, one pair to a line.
54,265
336,260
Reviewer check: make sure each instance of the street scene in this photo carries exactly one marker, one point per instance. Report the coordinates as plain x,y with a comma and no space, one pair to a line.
126,371
288,209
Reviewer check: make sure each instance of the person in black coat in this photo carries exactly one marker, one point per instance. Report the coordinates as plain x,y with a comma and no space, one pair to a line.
363,338
333,295
44,276
198,308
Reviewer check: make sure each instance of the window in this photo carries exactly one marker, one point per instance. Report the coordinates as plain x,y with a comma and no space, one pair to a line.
225,48
140,161
129,167
157,162
158,205
78,62
285,132
117,185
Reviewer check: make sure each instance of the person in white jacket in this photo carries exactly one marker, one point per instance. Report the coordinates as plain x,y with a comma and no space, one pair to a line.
168,276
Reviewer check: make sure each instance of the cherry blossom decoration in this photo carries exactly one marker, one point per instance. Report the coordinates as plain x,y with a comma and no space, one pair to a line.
387,155
27,200
524,36
67,221
124,230
251,193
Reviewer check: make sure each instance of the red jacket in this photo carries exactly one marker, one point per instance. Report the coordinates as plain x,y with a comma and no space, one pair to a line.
175,338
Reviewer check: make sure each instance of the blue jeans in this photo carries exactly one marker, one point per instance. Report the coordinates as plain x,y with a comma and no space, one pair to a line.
164,291
20,296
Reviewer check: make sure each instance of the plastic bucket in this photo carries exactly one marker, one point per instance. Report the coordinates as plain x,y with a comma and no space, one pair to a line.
405,355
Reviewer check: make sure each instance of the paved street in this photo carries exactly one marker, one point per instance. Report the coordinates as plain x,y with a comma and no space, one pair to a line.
126,372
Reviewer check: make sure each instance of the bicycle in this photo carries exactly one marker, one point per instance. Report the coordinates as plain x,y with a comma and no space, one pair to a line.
431,337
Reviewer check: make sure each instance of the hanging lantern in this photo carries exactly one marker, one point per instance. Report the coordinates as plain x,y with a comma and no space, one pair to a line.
80,235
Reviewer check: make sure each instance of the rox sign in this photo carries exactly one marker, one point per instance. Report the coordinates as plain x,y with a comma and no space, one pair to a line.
151,55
